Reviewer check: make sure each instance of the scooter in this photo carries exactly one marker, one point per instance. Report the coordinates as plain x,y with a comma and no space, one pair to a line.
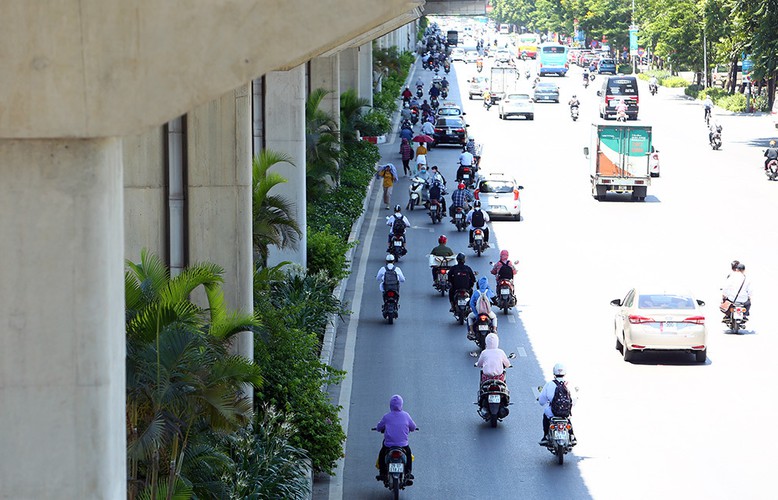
715,140
419,91
435,211
772,170
494,398
442,264
397,246
574,113
505,298
434,103
586,83
396,466
652,88
479,245
444,94
735,317
559,442
460,220
482,326
415,192
461,305
391,305
621,116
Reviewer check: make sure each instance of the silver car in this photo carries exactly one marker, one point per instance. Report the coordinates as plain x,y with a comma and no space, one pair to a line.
546,91
517,105
499,195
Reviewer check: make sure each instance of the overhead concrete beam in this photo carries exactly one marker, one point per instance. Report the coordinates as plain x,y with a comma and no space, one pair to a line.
377,32
455,7
80,68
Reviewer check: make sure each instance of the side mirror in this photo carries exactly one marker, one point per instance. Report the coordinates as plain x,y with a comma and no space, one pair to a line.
599,92
463,113
700,302
511,355
467,124
616,302
586,151
520,187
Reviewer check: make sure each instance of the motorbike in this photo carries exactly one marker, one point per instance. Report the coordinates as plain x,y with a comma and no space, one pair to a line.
435,211
406,124
479,245
397,246
447,68
574,113
415,192
414,116
396,465
487,104
586,82
482,326
434,103
468,177
419,91
505,297
441,283
591,77
735,317
479,66
444,94
715,140
559,442
772,170
460,220
621,116
527,75
391,305
461,305
494,398
652,88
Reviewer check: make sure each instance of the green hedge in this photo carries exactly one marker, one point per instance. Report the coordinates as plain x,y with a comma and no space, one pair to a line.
327,252
674,82
624,69
720,97
375,123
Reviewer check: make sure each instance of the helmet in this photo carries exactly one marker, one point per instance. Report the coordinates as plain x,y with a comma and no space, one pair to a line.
390,258
397,208
559,370
477,204
772,143
442,240
734,264
740,266
461,185
573,96
460,258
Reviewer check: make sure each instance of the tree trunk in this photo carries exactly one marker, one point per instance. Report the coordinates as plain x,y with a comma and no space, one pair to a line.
732,77
771,91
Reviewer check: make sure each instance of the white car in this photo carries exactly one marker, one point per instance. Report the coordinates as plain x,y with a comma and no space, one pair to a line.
655,319
516,105
457,54
471,56
499,195
502,56
477,86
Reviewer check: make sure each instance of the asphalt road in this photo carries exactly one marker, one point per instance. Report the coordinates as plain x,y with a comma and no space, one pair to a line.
662,426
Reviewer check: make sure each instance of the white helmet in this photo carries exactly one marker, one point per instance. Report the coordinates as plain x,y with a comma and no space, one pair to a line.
390,258
559,370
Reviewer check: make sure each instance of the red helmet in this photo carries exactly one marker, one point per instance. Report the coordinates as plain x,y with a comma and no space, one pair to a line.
461,185
442,240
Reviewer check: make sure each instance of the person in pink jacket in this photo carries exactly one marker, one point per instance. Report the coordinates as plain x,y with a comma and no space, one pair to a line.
493,360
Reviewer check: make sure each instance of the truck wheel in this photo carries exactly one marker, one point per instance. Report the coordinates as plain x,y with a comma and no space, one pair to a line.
531,117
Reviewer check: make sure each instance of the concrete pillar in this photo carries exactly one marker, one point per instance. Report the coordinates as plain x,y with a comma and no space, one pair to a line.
325,73
365,70
62,359
144,194
258,114
349,74
285,114
219,193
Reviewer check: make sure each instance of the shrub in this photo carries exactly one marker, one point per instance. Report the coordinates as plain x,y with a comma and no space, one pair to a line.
327,253
759,103
376,123
734,102
673,81
693,90
625,69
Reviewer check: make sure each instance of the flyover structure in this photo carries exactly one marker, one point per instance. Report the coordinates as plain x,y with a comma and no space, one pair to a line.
130,124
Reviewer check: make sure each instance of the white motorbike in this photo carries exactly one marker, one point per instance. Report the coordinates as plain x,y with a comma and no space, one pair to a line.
416,192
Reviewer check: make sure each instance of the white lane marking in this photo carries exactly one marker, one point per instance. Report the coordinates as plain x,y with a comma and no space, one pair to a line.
344,400
521,352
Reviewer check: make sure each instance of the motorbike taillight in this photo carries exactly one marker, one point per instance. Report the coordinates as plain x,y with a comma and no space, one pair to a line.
483,317
494,388
443,271
390,293
396,455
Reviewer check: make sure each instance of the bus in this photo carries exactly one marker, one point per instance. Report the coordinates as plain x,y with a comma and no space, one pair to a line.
552,59
528,45
505,29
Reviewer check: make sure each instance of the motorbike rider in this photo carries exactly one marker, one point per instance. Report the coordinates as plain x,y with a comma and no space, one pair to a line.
713,129
461,277
425,107
737,288
434,92
586,76
444,83
419,83
395,425
482,289
395,227
406,132
707,106
770,154
466,159
428,128
435,190
547,395
504,269
407,94
405,113
389,266
493,361
487,99
621,108
574,103
477,219
440,251
460,198
653,82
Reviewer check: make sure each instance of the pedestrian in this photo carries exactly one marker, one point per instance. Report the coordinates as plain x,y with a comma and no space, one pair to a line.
389,174
421,150
406,152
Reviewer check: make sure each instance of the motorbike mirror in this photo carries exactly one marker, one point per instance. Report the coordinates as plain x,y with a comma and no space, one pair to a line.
467,125
511,355
586,152
475,365
616,302
599,93
372,428
463,113
520,188
700,302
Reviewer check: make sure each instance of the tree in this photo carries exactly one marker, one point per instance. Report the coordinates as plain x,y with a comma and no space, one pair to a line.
351,108
274,223
322,146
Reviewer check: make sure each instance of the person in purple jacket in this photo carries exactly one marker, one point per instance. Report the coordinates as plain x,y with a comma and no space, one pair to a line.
395,425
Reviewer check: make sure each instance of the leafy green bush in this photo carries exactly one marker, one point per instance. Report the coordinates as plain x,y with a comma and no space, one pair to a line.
673,81
734,102
625,69
693,90
660,75
715,93
327,252
375,123
759,103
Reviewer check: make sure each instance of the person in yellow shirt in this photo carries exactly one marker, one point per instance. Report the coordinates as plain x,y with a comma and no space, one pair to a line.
389,175
421,150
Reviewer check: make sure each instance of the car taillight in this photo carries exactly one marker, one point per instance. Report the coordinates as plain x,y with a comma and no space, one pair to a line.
636,320
440,130
697,320
460,130
516,195
475,194
396,455
656,157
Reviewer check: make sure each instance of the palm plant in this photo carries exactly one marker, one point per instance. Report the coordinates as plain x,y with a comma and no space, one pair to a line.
322,143
182,383
274,222
351,109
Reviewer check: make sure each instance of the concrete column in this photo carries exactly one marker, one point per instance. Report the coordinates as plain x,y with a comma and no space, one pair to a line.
285,110
349,74
62,360
219,190
144,194
258,115
365,70
325,73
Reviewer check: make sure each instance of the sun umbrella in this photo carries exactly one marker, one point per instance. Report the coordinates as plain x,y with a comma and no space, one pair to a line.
423,138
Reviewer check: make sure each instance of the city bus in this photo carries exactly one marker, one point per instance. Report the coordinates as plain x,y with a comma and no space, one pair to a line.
552,59
528,45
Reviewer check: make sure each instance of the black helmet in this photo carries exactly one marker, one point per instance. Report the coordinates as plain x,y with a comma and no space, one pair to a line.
460,258
477,204
741,266
397,208
734,264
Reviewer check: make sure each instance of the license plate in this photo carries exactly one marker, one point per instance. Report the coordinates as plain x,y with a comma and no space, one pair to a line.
668,327
396,468
458,216
466,177
560,435
505,292
738,313
483,328
398,243
494,398
462,302
478,237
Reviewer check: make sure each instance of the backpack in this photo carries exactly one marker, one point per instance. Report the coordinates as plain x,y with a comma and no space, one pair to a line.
561,403
482,305
398,226
505,272
391,281
477,219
